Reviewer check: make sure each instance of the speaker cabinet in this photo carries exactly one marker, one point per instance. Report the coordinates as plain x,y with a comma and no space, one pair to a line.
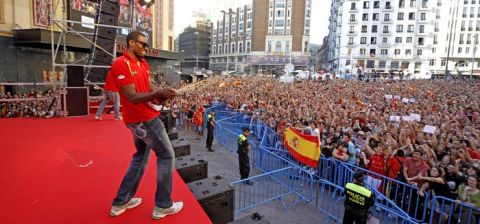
191,168
181,148
216,196
75,101
173,135
103,57
75,76
108,33
110,7
106,44
106,19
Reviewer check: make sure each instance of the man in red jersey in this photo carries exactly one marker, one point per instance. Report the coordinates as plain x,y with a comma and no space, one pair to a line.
132,78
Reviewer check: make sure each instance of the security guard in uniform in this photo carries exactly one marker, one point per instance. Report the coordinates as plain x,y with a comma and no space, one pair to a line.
358,201
243,159
210,127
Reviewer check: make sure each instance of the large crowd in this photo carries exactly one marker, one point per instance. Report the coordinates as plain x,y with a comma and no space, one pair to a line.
30,104
425,133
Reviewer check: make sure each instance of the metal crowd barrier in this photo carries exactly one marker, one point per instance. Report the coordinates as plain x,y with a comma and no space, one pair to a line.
445,210
396,202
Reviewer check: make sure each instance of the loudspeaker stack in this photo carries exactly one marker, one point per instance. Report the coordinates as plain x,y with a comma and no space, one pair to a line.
103,50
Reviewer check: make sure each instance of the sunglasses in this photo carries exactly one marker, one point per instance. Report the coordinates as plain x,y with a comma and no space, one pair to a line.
144,45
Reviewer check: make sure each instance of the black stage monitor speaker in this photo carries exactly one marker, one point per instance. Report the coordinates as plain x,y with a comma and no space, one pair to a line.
105,19
108,33
106,44
181,148
75,76
191,168
110,7
173,135
76,101
103,57
216,196
254,218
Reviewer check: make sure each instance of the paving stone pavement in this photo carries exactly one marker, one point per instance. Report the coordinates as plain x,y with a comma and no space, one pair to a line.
225,163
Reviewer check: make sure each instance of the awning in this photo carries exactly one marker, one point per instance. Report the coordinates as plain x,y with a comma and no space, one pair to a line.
41,38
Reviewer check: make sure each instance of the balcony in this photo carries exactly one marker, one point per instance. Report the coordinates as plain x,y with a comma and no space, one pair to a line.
351,33
388,8
353,21
469,42
461,42
387,21
385,33
354,9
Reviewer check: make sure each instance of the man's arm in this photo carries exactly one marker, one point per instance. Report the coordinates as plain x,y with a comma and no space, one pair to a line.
134,97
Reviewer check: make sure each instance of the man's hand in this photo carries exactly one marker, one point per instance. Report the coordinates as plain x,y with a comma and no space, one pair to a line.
165,94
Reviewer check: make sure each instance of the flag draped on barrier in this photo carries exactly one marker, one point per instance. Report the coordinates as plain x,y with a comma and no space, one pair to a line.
304,148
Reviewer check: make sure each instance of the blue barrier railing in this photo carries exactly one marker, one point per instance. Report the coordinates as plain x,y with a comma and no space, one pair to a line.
445,210
397,202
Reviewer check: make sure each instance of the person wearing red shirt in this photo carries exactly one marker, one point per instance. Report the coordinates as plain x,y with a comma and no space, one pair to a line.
131,73
110,92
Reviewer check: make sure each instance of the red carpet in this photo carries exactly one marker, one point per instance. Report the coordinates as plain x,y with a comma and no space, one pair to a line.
68,171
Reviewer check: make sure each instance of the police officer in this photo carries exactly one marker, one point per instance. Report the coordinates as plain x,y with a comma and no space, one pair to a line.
210,127
243,159
358,201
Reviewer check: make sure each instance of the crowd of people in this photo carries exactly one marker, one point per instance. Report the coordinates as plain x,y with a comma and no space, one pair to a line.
425,133
31,104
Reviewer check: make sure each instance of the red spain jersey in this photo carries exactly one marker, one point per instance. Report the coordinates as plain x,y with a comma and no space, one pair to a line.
126,71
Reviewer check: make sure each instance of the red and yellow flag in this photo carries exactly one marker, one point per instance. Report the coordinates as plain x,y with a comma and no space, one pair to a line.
304,148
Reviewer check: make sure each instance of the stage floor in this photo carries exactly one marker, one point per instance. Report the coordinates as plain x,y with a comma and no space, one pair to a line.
67,170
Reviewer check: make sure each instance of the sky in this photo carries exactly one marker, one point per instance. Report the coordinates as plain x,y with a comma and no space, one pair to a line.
184,11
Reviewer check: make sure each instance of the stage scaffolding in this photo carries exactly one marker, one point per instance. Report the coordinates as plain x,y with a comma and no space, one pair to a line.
59,43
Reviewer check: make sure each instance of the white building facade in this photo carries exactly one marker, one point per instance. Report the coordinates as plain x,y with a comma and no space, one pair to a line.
383,37
456,38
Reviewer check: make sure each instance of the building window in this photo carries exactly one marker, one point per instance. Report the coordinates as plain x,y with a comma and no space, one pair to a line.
399,28
444,63
370,64
385,29
394,65
419,52
240,48
373,40
459,50
214,50
401,3
386,17
248,46
400,16
365,17
397,52
366,4
364,28
350,41
385,40
411,16
421,29
421,41
409,40
362,51
374,28
269,49
353,6
408,51
376,4
418,65
287,46
423,16
278,46
432,62
375,17
384,51
410,28
413,3
233,48
382,64
352,29
363,40
352,18
398,40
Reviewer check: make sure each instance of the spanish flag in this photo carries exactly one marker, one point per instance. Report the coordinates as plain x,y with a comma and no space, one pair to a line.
304,148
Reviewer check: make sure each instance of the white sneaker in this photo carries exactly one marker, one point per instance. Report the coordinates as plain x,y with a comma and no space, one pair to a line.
159,213
117,210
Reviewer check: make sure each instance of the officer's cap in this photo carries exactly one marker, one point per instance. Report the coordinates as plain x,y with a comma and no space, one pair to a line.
246,129
358,176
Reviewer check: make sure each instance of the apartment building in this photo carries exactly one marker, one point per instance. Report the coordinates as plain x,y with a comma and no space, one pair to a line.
385,37
261,37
